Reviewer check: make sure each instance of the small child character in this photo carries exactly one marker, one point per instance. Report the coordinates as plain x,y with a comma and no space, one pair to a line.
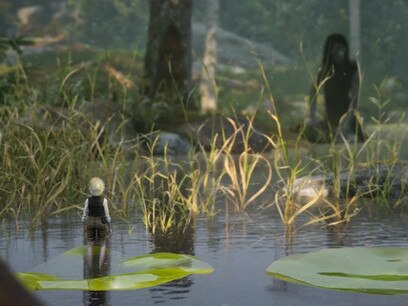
96,219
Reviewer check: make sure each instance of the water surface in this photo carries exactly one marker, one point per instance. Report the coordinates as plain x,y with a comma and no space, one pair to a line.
239,247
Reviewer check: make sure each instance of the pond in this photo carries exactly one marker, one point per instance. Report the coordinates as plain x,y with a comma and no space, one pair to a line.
239,248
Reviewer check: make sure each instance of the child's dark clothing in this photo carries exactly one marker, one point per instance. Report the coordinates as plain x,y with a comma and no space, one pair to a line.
96,218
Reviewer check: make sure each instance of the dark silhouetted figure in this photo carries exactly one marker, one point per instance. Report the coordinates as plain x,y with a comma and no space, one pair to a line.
339,80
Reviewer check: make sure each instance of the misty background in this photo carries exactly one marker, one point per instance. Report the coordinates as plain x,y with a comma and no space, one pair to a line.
286,36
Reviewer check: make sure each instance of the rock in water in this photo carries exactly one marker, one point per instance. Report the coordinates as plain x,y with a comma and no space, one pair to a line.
390,181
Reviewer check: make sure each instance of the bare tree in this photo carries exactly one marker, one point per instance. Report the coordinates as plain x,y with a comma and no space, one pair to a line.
208,88
168,58
355,28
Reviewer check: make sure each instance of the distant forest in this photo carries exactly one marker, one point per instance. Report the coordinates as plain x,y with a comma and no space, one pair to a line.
283,24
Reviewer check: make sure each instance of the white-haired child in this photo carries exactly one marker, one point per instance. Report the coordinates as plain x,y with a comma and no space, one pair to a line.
96,219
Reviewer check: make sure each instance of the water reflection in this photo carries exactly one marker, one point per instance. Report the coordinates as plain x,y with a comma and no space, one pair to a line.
336,237
331,237
180,240
94,268
239,248
44,236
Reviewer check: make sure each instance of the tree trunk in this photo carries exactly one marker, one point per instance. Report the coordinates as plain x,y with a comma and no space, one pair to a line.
355,28
168,58
208,88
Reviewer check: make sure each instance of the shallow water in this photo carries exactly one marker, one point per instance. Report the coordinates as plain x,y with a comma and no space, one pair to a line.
239,248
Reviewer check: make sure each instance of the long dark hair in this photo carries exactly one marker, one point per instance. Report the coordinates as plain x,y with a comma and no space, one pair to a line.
331,40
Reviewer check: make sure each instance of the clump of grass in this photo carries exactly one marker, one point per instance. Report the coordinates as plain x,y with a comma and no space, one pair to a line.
165,191
344,202
41,165
45,165
371,168
47,158
241,171
287,168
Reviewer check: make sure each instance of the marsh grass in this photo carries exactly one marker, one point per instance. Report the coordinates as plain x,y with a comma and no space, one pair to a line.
346,198
37,168
240,170
49,152
379,157
176,192
287,167
47,155
164,191
384,151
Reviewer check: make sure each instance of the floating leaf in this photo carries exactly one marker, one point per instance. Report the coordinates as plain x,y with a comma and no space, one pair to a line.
370,270
81,251
163,260
32,280
136,280
133,273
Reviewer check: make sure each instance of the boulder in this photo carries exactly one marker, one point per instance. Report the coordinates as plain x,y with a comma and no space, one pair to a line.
161,143
390,181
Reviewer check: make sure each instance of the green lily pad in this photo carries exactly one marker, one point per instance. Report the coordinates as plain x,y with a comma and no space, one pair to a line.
133,273
369,270
163,260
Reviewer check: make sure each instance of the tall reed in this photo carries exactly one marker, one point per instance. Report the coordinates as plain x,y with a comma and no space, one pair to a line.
48,153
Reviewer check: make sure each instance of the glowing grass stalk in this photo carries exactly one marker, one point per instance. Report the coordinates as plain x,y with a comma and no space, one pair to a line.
241,178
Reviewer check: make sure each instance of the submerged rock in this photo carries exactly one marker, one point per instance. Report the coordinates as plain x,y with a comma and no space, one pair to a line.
381,180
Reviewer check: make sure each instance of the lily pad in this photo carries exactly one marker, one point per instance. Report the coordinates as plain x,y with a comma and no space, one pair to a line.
163,260
133,273
370,270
